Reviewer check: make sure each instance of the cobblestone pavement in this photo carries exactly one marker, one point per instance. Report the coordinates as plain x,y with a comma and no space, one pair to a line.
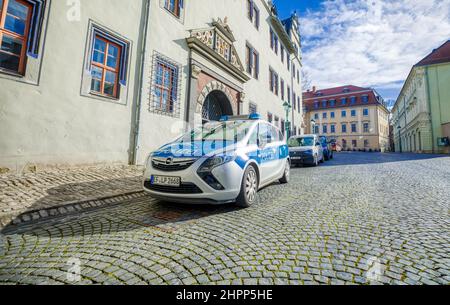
52,188
359,219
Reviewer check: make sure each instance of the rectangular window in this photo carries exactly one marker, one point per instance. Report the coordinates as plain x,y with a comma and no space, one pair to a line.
354,143
344,128
252,60
324,115
366,112
344,114
15,21
353,100
316,116
316,129
294,98
252,108
325,129
270,117
332,115
366,127
253,13
288,61
353,113
165,87
298,104
273,82
282,89
316,105
324,104
105,67
333,128
282,54
354,128
366,144
365,98
344,101
289,93
332,103
273,41
174,6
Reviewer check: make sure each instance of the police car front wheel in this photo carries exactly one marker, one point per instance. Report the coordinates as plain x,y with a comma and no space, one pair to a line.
249,188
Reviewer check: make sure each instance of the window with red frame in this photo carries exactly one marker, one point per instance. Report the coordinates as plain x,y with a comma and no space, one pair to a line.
174,6
165,87
105,67
15,18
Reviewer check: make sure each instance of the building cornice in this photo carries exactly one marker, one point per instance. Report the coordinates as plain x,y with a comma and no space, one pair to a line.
337,95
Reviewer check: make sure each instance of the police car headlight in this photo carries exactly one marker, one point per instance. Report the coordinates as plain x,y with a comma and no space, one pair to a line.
214,162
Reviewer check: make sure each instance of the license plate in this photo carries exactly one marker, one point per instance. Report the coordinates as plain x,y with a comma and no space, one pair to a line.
165,181
296,158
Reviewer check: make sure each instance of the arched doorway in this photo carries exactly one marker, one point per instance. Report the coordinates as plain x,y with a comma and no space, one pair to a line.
215,106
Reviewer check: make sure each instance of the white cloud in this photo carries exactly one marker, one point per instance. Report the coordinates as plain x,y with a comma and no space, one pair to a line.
371,42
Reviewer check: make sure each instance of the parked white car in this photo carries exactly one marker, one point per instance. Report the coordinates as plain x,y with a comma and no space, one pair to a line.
306,149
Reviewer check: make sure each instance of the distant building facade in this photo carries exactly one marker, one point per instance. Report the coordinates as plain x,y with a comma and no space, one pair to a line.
356,117
421,115
122,78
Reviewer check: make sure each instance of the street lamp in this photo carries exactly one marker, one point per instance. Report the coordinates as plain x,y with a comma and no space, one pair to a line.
313,126
400,138
287,107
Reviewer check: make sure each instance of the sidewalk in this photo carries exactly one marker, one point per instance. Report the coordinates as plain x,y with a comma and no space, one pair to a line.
56,191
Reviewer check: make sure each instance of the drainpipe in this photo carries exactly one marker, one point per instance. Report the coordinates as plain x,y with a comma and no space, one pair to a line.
137,121
429,108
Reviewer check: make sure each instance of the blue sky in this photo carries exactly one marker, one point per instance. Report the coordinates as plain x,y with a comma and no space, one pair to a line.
371,43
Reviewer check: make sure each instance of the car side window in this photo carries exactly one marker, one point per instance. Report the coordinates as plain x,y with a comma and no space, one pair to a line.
253,140
274,134
264,134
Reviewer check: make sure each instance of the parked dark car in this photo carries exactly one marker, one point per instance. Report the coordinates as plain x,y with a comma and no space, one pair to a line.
328,153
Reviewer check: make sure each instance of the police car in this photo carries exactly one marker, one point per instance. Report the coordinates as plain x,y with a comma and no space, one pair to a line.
219,162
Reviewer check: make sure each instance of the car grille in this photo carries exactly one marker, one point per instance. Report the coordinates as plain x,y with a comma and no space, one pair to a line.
184,188
172,165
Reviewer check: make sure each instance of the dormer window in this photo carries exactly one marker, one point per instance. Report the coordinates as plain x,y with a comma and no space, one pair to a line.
346,90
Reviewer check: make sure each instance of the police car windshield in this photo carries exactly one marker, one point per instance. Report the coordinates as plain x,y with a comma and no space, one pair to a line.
301,142
220,131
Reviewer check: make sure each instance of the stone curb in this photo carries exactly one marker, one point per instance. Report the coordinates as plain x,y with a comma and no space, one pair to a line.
68,208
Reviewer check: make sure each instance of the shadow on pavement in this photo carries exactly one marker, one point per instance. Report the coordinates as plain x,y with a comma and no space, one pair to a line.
113,216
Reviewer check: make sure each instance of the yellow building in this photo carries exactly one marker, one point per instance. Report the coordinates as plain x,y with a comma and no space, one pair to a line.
355,117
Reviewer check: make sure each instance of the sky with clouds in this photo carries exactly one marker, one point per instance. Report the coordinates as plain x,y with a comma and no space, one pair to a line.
371,43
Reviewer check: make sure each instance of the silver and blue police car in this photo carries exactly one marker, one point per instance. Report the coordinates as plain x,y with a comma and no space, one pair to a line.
219,162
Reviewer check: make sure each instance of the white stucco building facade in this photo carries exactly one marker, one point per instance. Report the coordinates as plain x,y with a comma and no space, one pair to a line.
109,81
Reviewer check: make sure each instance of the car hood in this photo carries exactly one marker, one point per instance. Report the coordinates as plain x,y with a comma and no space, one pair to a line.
196,149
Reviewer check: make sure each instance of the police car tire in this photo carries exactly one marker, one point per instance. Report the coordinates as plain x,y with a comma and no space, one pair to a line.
242,200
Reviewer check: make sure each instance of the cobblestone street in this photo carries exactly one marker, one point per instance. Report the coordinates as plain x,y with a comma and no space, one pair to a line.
363,218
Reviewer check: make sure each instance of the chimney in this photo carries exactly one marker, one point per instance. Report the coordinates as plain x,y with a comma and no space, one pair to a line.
314,89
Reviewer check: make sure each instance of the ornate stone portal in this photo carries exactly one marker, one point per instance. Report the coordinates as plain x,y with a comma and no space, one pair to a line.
216,84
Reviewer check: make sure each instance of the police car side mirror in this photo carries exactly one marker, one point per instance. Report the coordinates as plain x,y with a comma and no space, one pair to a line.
318,144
